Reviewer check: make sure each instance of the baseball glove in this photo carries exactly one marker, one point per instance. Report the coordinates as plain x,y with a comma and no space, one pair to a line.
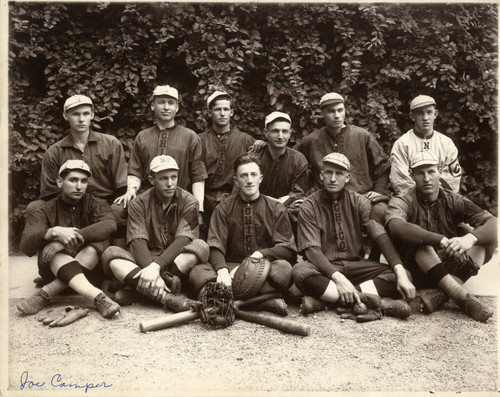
250,276
217,305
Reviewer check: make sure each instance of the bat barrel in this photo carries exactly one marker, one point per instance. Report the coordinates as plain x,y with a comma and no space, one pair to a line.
168,321
285,325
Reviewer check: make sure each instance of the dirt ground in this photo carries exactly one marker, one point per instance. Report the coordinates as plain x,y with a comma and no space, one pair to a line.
443,352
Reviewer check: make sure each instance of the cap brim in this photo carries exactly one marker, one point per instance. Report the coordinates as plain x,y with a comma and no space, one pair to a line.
330,102
78,104
422,163
341,165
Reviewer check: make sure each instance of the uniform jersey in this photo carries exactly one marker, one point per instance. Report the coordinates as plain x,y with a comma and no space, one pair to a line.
285,176
239,228
104,155
148,220
219,151
367,158
335,226
57,212
408,145
181,143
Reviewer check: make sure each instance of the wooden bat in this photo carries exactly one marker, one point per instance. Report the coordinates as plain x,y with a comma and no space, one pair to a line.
283,324
184,317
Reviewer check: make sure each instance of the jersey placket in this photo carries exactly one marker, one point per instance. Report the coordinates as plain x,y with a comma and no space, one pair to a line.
274,175
221,160
167,219
162,143
248,230
339,226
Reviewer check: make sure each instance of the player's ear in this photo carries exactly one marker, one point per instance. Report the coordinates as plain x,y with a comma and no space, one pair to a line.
65,115
231,113
153,105
151,179
347,177
321,176
412,175
412,116
59,182
436,113
92,114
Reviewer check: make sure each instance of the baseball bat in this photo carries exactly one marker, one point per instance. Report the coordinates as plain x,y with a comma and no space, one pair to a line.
184,317
282,324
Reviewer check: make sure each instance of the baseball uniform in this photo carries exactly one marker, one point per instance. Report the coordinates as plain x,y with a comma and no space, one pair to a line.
408,145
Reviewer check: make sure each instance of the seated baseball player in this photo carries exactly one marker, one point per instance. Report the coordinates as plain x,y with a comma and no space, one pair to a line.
221,145
249,224
166,138
329,235
424,223
423,138
162,240
69,233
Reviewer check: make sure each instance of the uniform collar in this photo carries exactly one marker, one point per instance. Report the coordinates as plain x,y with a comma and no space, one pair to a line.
441,196
418,134
160,203
67,205
343,130
250,202
326,197
159,130
221,135
281,156
68,141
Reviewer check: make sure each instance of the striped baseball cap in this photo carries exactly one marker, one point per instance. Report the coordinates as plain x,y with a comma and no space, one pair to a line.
274,116
423,158
338,159
76,100
75,165
421,101
166,90
216,95
330,98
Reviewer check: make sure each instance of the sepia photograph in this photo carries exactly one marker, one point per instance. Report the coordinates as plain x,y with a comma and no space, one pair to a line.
249,198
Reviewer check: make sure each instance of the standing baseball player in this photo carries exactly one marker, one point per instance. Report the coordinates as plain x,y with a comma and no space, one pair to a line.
249,224
369,164
221,146
166,138
162,238
329,235
423,138
69,233
424,223
103,153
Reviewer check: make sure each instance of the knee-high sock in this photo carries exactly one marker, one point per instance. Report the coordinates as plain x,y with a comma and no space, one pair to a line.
183,264
430,263
88,257
124,271
321,287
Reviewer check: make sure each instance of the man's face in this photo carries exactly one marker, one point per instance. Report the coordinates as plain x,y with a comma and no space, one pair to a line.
221,112
424,119
334,178
334,115
164,107
164,182
248,178
74,185
278,134
79,118
426,178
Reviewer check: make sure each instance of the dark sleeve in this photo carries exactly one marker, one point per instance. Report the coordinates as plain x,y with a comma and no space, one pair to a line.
33,237
381,182
318,259
134,163
413,234
48,175
380,164
387,247
136,221
218,232
277,253
118,165
484,224
197,171
300,183
217,259
168,256
282,234
139,250
487,233
98,231
308,230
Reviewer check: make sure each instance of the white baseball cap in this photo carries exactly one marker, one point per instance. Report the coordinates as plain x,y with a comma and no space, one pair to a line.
330,98
338,159
166,90
76,165
274,116
215,95
163,162
421,101
76,100
423,158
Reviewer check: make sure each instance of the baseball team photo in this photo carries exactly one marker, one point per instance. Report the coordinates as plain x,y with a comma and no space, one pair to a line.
250,198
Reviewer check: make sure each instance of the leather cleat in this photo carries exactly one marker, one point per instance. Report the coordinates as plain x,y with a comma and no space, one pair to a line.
416,305
34,303
372,315
370,300
344,310
126,297
277,306
311,305
106,306
475,309
433,300
395,308
172,282
179,303
348,316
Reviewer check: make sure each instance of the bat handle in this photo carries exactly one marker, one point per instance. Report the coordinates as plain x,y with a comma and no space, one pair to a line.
168,321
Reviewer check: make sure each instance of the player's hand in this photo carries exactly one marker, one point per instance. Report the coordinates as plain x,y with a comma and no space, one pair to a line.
443,244
258,146
224,278
257,254
50,250
126,198
372,195
459,245
404,285
148,279
296,204
348,295
67,236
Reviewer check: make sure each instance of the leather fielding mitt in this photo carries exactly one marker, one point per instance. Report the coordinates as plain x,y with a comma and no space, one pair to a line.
250,276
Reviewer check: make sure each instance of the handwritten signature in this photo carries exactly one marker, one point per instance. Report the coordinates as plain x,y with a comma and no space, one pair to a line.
56,381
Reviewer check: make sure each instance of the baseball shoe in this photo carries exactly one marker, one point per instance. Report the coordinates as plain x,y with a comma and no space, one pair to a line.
310,305
39,282
277,306
370,300
475,309
172,282
372,315
433,300
34,303
126,297
343,310
179,303
395,308
106,306
416,305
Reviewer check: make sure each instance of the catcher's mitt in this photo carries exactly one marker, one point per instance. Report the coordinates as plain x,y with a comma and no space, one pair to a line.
250,276
217,305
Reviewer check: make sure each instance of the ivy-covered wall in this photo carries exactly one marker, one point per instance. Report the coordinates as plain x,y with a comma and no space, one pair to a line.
268,56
